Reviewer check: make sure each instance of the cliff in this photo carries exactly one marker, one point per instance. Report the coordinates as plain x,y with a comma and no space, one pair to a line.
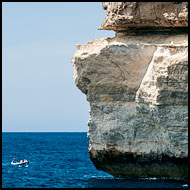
137,87
127,15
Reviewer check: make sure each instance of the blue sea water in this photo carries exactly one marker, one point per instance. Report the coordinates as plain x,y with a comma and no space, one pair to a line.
61,160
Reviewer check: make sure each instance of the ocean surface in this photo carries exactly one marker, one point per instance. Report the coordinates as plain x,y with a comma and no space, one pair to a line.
61,160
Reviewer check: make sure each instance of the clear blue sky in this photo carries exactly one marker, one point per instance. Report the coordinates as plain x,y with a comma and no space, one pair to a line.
39,40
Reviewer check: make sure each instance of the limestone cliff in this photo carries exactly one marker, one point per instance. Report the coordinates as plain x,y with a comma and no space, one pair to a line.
137,85
125,15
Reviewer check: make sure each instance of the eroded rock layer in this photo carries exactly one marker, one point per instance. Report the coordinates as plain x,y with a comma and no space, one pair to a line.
125,15
137,87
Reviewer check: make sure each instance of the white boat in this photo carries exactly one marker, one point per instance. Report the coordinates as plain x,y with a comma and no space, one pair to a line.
20,164
16,163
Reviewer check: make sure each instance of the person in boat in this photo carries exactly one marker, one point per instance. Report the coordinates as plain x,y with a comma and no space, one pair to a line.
26,162
14,160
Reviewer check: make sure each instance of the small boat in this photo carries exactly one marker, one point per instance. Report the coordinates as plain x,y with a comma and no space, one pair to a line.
20,164
16,163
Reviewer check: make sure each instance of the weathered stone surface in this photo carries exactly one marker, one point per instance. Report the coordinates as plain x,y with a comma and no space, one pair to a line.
124,15
137,87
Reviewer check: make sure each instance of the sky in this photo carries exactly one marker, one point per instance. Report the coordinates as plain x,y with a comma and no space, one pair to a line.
38,42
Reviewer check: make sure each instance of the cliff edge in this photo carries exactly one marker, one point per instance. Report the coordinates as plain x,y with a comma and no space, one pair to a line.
137,87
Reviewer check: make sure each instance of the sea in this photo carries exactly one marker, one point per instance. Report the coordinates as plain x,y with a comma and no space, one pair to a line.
61,160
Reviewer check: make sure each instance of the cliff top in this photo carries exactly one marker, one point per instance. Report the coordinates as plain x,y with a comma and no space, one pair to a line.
122,16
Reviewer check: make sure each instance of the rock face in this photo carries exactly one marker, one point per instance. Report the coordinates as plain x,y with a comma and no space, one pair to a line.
124,15
137,85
